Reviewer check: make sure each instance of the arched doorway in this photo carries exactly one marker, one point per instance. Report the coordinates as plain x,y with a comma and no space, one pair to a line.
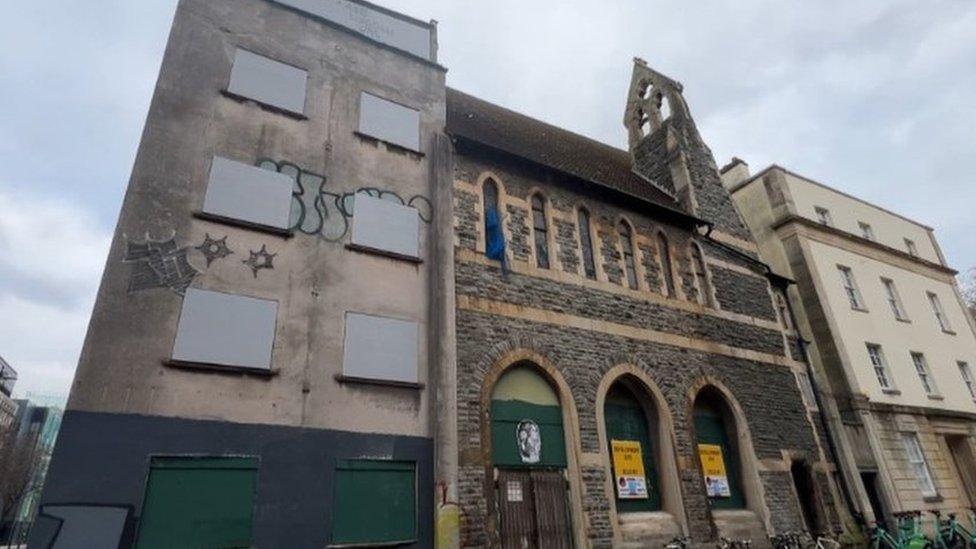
718,449
632,432
529,458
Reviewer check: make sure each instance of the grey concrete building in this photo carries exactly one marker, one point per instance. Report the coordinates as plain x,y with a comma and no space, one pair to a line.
259,369
346,305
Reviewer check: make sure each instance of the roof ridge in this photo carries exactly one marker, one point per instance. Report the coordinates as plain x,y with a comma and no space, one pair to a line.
553,126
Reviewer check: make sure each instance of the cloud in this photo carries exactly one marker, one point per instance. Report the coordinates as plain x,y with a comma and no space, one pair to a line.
51,259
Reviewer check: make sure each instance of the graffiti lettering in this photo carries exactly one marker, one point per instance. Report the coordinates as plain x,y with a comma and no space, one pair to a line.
317,211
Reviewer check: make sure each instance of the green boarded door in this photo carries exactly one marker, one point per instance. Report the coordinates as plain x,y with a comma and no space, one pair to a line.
198,503
711,431
375,502
526,422
626,421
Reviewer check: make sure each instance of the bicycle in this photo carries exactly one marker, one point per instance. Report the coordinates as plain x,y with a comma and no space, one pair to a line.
908,533
787,540
951,534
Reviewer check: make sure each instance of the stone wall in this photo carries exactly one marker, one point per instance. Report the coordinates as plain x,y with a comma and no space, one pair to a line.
492,319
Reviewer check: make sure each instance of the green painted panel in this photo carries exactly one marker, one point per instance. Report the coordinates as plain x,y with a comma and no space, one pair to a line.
506,415
375,502
198,503
626,420
711,430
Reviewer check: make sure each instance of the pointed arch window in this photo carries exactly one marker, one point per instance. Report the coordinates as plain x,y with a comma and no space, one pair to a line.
701,276
540,231
627,245
489,201
664,249
586,243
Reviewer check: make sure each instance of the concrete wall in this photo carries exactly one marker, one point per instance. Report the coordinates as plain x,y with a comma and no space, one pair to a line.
295,478
129,402
314,278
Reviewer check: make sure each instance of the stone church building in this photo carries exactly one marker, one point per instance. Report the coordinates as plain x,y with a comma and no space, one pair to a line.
348,306
632,307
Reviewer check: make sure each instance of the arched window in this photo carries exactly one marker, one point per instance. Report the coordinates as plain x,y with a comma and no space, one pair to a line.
528,452
632,433
627,244
664,251
718,450
586,243
701,276
490,201
540,232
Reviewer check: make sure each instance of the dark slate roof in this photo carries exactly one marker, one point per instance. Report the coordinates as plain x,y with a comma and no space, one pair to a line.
477,120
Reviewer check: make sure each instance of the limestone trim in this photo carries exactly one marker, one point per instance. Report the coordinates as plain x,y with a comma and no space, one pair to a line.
521,356
543,316
671,497
525,268
750,465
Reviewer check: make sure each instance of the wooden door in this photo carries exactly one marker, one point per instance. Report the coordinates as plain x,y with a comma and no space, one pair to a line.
551,511
532,509
516,509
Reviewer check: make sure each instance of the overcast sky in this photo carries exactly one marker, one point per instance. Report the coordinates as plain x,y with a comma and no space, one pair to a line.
875,98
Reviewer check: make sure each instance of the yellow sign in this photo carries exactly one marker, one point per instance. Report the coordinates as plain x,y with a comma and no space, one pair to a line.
628,469
713,467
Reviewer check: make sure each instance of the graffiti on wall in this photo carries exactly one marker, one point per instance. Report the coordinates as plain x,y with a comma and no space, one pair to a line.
261,259
214,249
315,210
158,264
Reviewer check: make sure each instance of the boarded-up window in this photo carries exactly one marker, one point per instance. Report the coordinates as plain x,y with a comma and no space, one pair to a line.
375,502
226,330
239,192
380,348
385,27
389,121
268,81
198,502
386,226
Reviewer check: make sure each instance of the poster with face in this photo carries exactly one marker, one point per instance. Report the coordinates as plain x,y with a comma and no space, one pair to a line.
529,441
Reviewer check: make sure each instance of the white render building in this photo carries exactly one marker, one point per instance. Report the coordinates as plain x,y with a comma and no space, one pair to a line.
889,337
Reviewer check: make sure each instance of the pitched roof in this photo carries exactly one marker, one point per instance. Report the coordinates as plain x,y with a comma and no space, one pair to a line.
477,120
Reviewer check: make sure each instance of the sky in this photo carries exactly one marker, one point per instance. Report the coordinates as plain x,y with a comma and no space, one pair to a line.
875,98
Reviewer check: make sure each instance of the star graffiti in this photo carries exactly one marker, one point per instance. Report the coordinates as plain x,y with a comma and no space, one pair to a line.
214,249
260,259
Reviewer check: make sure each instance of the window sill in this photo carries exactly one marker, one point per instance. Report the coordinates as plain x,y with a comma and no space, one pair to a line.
935,397
384,253
284,233
892,392
949,332
263,106
905,320
390,146
220,368
860,309
371,544
382,382
932,499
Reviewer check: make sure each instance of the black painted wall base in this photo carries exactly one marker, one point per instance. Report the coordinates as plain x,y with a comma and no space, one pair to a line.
101,462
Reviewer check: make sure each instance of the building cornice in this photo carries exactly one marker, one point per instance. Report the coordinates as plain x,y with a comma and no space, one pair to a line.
734,188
